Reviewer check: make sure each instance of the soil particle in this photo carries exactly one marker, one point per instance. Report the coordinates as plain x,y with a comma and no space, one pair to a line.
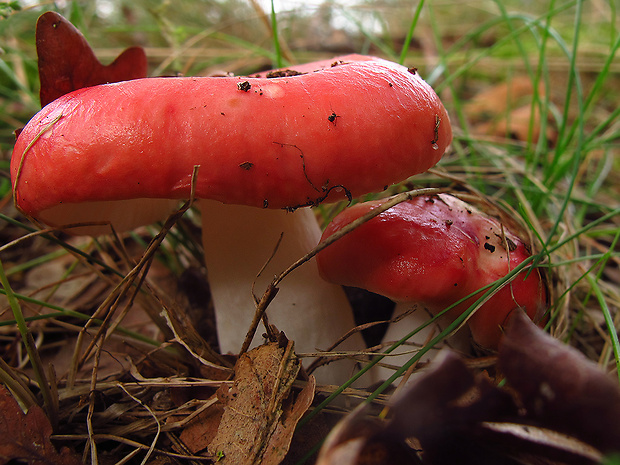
511,245
282,73
489,247
245,86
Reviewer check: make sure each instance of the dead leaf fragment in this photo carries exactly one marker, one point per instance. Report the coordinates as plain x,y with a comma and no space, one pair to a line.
505,110
200,433
291,414
26,437
557,408
259,419
67,63
497,100
360,440
560,388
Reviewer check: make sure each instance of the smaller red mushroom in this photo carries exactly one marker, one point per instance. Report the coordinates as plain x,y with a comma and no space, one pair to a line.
434,251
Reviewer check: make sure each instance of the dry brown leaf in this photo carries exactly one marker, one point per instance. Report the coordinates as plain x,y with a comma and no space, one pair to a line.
358,440
200,432
514,125
67,63
560,388
497,100
505,110
259,418
291,414
557,408
26,437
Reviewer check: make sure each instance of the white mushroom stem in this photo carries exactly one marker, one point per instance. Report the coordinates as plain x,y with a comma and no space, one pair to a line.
238,242
398,330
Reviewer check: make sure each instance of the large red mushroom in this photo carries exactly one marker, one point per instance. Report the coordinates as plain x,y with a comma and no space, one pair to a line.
120,152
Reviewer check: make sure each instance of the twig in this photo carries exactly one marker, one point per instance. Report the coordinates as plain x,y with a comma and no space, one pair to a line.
152,447
129,442
179,340
92,445
122,288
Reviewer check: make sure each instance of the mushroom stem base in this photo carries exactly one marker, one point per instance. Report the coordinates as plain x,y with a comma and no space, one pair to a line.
238,242
459,342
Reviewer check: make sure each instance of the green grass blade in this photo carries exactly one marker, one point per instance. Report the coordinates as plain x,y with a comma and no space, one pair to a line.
412,26
609,320
276,38
554,171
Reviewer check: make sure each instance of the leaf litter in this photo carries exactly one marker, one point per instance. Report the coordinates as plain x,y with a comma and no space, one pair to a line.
26,436
556,407
259,417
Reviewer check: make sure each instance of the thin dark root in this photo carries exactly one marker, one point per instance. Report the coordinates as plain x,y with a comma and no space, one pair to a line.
319,200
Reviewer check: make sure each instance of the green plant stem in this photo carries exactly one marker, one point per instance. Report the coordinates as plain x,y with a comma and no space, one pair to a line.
541,72
70,313
574,83
609,321
63,244
276,38
529,23
412,26
602,75
35,262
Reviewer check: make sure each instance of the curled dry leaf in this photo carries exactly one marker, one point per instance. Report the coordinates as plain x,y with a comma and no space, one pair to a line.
26,437
557,408
259,415
560,388
359,440
67,63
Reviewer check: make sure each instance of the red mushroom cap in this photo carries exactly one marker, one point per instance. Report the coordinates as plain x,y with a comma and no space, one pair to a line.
434,250
285,142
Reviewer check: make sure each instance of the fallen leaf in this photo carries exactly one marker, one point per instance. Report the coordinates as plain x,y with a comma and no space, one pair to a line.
557,408
359,440
497,100
292,412
515,125
26,437
479,423
67,63
444,410
560,388
259,418
200,433
505,110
